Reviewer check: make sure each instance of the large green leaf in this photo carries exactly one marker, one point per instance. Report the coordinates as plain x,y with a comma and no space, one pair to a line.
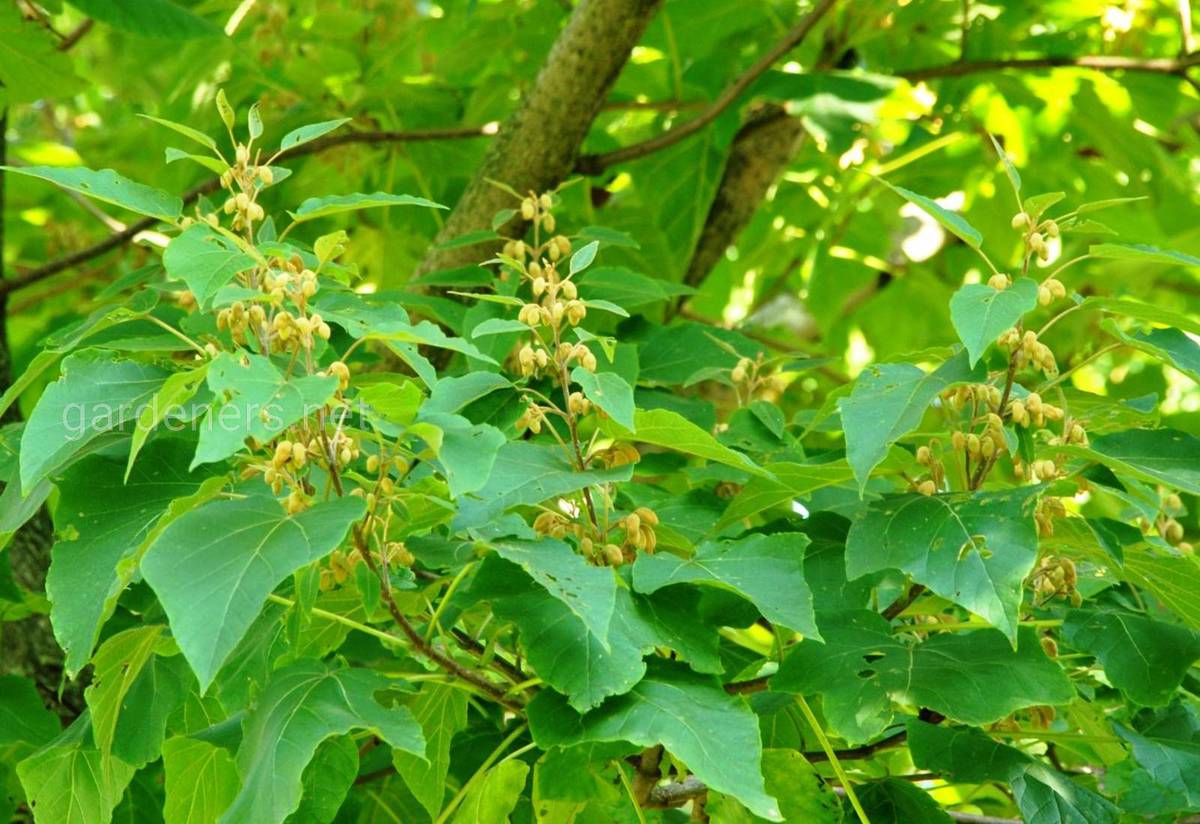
205,260
974,549
1169,761
1144,311
150,18
662,427
951,221
790,481
803,795
96,392
888,402
66,783
587,591
525,474
316,207
467,452
201,781
304,704
326,781
1163,456
1144,658
108,521
980,313
973,677
109,187
895,801
214,567
1140,251
767,570
257,402
689,714
1168,345
118,663
559,646
441,710
23,716
1043,795
493,799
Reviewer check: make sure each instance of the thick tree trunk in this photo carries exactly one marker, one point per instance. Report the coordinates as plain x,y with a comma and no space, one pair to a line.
537,147
759,154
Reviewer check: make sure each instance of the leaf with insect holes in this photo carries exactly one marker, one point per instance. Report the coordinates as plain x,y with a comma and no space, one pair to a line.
109,187
206,260
309,133
972,549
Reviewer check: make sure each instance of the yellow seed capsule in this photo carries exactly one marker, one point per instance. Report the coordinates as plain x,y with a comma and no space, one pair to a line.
568,289
527,209
958,441
1020,221
998,282
613,555
927,487
1044,296
1052,229
632,523
647,515
987,447
973,445
1056,288
373,464
1049,646
1174,532
283,451
923,455
546,201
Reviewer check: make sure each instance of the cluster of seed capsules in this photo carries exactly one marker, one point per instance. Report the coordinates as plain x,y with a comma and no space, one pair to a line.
613,545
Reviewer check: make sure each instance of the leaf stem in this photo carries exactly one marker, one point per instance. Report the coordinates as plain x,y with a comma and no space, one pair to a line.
474,779
833,759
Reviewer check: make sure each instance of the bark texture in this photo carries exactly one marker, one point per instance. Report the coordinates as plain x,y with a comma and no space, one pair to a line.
759,154
537,147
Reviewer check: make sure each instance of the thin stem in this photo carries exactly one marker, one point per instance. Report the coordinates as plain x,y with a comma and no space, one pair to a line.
177,334
833,759
450,590
637,808
960,626
386,637
474,779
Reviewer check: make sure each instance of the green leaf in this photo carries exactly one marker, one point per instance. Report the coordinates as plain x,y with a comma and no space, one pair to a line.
111,520
972,549
802,793
1144,658
23,716
557,643
894,801
607,306
1037,204
31,65
689,714
587,591
187,131
584,256
1140,251
467,453
493,799
1014,176
1164,456
304,704
767,570
254,122
499,326
628,288
175,391
217,167
449,395
306,134
888,402
1097,205
118,662
525,474
1168,345
109,187
790,481
662,427
1143,311
980,313
951,221
95,393
149,18
973,677
610,392
66,783
201,781
214,567
1170,764
316,207
205,260
326,781
258,403
441,710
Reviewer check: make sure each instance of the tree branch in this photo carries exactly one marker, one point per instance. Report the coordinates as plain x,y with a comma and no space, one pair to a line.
596,163
537,147
1104,63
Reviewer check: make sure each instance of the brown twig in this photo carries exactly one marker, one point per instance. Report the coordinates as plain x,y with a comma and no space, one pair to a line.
75,35
596,163
1104,63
